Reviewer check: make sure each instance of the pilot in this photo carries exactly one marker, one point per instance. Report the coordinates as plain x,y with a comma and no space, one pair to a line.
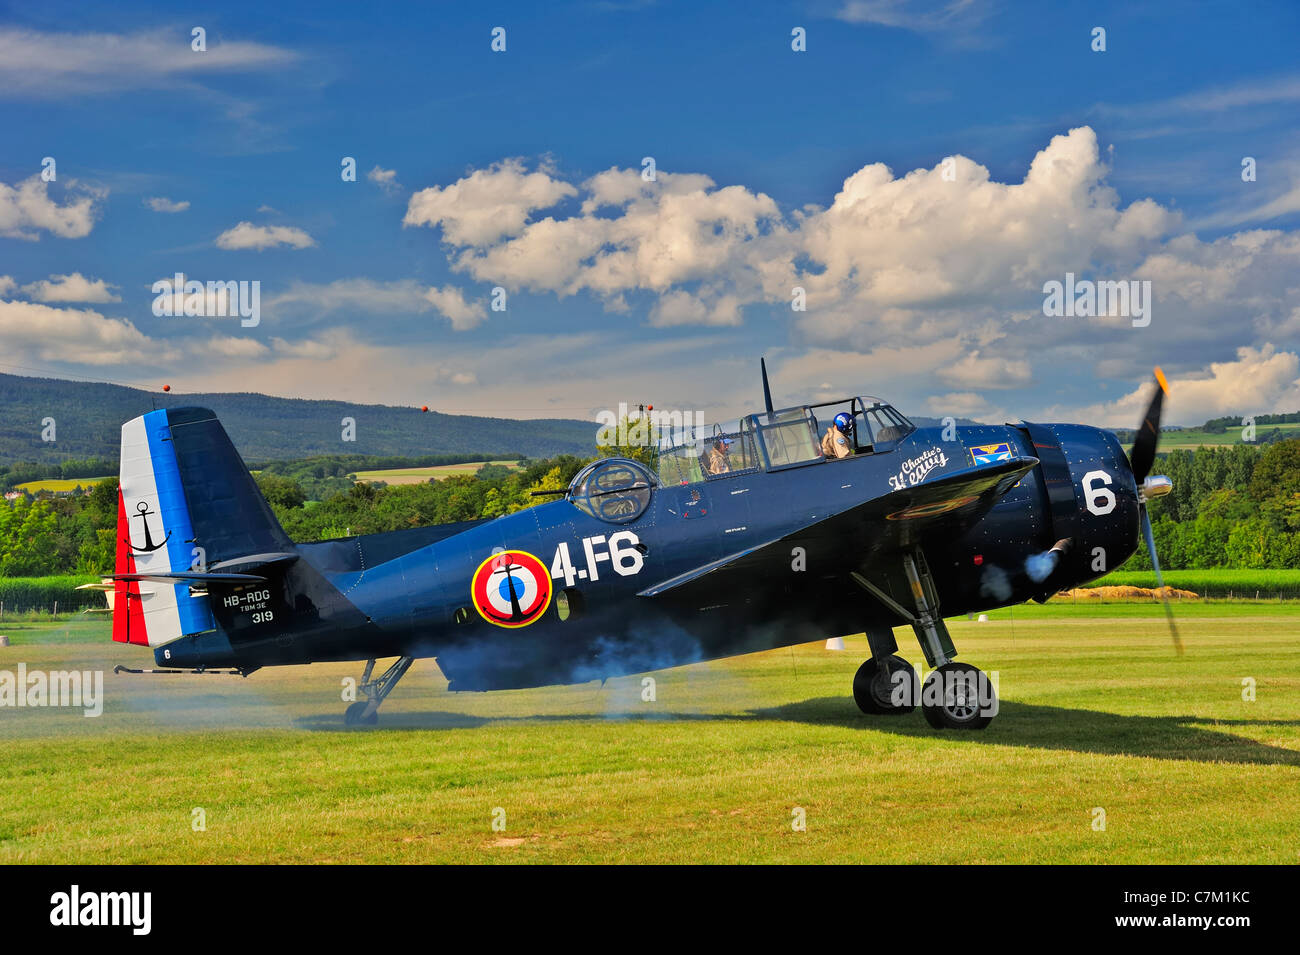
718,462
835,443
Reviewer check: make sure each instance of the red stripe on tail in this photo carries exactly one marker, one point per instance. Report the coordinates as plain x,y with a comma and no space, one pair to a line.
128,614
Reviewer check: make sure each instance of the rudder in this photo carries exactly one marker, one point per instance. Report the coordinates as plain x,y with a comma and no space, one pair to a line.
186,501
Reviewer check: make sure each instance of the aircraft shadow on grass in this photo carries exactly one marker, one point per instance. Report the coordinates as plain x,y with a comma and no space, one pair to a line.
1027,725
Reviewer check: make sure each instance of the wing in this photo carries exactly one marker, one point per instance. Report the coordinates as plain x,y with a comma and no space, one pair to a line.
944,506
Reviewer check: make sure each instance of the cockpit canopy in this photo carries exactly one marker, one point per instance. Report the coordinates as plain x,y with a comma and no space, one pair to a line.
617,490
786,438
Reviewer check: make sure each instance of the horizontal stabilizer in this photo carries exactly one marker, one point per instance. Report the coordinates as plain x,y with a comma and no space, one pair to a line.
185,577
244,565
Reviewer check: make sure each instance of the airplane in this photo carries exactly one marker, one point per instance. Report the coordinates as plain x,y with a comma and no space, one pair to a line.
744,537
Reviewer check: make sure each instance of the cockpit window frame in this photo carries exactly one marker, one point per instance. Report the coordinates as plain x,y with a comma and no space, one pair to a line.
861,407
787,419
683,457
684,453
644,485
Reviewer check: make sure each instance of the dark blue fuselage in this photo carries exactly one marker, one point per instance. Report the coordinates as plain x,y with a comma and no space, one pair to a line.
794,533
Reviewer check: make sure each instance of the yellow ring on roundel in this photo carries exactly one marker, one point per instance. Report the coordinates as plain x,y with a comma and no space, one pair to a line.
497,615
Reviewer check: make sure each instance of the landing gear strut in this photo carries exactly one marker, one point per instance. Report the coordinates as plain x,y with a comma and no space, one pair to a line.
366,712
955,695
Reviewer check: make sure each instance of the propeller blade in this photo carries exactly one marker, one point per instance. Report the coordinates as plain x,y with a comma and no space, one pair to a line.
1160,581
1143,454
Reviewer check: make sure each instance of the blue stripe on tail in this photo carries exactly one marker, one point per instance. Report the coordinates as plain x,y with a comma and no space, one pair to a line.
195,614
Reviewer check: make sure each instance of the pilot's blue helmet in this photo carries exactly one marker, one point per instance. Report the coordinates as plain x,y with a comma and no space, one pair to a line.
844,422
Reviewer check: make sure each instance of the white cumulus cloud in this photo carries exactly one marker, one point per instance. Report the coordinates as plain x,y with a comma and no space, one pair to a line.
368,296
28,209
487,204
72,288
78,336
46,64
451,302
163,204
1258,381
385,179
245,235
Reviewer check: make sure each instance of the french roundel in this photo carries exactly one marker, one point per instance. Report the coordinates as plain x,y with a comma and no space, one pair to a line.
511,589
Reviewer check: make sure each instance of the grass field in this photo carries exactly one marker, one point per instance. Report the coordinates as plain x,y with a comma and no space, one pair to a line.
1097,712
420,475
1216,580
58,484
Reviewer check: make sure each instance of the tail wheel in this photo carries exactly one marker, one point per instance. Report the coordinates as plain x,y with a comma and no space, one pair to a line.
887,687
958,696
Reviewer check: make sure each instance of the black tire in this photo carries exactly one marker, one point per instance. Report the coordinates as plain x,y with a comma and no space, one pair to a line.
353,715
958,696
877,689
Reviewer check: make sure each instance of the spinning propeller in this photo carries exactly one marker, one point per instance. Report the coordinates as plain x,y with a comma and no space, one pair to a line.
1149,485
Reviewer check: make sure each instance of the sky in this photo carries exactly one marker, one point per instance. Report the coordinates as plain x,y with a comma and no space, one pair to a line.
633,201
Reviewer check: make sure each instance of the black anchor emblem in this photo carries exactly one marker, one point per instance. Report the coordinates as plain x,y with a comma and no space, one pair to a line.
504,564
149,545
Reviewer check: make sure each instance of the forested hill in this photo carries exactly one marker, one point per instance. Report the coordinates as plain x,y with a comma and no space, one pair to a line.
88,419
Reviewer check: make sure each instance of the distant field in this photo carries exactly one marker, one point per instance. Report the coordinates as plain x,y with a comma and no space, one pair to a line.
420,475
1193,438
1217,581
1097,713
58,484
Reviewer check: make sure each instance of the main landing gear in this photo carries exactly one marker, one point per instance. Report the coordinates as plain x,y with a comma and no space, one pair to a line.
886,685
954,695
366,712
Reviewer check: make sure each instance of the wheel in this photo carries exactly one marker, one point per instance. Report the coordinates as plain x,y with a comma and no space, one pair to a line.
354,715
891,689
958,696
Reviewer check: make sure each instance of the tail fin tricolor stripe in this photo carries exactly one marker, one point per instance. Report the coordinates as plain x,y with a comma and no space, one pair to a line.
157,537
128,614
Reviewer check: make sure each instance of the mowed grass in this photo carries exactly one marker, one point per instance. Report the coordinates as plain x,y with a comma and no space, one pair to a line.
1097,712
421,475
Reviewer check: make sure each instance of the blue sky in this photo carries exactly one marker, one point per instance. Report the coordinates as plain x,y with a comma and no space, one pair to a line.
481,169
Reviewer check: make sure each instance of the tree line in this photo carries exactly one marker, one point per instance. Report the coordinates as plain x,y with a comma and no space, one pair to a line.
1236,507
20,472
322,476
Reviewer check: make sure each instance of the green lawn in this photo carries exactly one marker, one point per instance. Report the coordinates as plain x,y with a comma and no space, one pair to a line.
1097,712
